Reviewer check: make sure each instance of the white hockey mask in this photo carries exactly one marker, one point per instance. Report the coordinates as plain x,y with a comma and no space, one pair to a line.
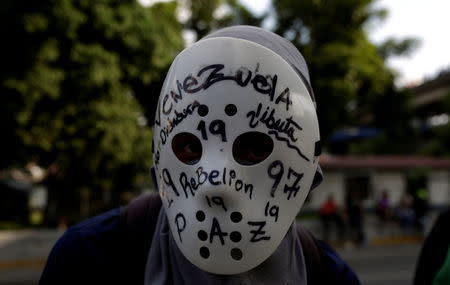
234,152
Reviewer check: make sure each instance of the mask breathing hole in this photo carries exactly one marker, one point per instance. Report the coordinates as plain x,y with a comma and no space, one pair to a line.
203,110
252,147
235,236
202,235
230,109
200,215
236,254
187,148
204,252
236,217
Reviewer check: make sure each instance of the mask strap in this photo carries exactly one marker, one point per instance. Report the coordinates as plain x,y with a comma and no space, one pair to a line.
318,178
153,175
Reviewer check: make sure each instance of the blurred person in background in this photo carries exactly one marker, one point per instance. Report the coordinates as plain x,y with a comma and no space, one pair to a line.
383,211
355,215
433,266
330,215
404,212
420,205
383,208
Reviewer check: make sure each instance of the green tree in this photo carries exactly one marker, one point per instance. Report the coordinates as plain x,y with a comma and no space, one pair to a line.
209,15
395,47
352,84
73,75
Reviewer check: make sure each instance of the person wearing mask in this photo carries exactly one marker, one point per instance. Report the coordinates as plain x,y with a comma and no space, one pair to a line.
236,148
329,215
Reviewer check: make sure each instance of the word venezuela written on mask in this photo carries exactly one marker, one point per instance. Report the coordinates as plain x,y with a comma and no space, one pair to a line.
213,74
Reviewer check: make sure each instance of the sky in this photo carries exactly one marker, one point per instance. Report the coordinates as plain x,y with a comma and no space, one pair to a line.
428,21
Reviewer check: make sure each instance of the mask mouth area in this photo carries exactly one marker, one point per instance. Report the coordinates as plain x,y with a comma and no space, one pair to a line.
251,148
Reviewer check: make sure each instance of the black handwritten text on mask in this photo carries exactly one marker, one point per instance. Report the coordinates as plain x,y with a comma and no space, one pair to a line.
213,74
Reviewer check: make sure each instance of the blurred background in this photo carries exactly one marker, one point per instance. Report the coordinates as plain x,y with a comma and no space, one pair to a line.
80,82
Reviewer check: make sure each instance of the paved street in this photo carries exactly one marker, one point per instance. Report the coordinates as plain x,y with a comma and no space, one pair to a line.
22,257
23,254
383,265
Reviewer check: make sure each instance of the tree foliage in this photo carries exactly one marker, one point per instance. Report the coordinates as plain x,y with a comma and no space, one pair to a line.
72,74
352,84
395,47
209,15
80,80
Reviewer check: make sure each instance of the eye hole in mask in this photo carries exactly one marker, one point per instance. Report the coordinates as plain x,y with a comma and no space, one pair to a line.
187,148
252,147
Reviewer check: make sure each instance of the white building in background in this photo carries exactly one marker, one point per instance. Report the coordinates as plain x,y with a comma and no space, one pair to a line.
371,175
